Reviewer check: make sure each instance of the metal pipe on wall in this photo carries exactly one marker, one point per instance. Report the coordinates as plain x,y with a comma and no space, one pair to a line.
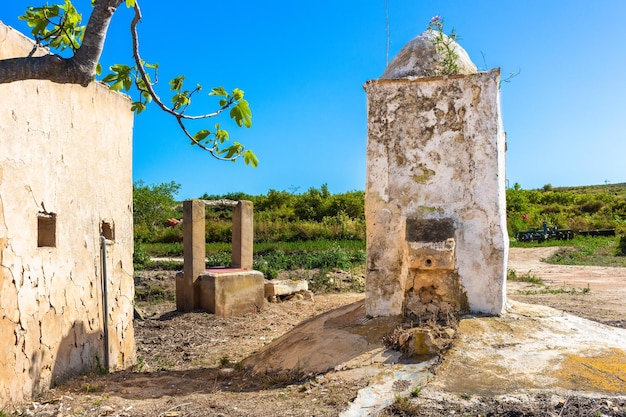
105,304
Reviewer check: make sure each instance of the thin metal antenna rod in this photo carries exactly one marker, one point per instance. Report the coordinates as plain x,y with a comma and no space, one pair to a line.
387,22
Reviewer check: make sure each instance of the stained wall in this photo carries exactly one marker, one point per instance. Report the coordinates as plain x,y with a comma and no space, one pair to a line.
435,195
65,180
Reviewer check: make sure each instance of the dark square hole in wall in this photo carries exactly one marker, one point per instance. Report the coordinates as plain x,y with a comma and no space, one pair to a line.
46,230
107,230
429,230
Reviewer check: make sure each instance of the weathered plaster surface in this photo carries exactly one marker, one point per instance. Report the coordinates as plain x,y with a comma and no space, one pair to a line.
420,58
436,151
66,150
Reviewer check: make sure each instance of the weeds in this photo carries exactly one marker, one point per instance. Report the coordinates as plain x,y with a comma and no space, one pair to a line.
100,369
401,406
163,364
153,294
89,388
526,277
281,379
557,291
416,392
598,250
141,363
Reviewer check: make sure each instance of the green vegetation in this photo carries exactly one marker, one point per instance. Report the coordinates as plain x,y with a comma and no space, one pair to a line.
556,291
577,208
599,250
153,294
401,406
59,27
312,230
542,288
319,230
512,275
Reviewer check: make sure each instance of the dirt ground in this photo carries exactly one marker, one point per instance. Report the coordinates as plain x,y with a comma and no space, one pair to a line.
593,292
188,363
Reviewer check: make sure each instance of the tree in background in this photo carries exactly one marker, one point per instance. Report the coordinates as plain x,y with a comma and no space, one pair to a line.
58,27
153,205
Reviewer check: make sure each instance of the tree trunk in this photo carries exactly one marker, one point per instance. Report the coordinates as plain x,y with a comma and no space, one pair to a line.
79,69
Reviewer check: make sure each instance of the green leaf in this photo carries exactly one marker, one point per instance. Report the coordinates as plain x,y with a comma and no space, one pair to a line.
146,96
249,158
218,91
177,83
121,77
138,107
181,99
241,114
237,94
232,151
116,86
98,69
201,135
56,26
221,135
130,3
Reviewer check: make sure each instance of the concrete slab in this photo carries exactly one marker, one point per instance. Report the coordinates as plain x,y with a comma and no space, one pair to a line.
532,348
529,349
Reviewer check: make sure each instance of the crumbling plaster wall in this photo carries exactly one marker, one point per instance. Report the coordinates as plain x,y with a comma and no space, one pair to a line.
66,150
436,151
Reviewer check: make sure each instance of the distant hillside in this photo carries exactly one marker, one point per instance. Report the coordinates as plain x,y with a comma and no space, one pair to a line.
617,189
579,208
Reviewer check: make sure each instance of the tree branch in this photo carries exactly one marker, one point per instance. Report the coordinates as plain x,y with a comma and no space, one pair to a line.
79,69
148,85
179,115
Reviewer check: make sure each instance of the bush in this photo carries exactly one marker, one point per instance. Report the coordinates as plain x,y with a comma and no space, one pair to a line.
141,258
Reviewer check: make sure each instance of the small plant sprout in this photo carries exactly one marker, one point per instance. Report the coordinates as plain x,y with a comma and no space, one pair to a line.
445,47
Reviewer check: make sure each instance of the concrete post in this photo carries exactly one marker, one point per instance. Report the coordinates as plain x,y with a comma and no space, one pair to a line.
243,235
194,251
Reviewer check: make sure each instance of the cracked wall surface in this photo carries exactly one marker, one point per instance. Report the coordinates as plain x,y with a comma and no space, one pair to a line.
65,157
435,152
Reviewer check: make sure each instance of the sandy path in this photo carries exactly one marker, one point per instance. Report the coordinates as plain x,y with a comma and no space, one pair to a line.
605,301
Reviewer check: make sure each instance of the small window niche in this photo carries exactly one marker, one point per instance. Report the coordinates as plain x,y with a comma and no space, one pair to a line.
107,229
46,230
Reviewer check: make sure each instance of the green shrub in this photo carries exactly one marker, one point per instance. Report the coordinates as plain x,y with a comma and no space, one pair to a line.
141,258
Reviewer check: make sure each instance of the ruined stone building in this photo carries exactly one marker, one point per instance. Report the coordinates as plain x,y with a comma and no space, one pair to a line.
435,195
65,181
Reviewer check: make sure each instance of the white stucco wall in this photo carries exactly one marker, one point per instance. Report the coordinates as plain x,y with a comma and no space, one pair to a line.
436,150
64,149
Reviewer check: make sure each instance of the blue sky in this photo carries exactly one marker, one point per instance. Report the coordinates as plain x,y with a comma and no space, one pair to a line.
303,65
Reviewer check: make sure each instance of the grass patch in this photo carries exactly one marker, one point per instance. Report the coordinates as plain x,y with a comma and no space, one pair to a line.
152,294
557,291
512,275
598,251
401,406
89,388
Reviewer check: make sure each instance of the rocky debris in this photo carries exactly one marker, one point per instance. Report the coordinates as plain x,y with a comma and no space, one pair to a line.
277,291
425,339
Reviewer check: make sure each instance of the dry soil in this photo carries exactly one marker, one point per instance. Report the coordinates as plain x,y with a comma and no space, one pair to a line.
188,364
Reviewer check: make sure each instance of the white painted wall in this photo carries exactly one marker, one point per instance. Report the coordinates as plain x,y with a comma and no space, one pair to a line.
436,149
67,150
